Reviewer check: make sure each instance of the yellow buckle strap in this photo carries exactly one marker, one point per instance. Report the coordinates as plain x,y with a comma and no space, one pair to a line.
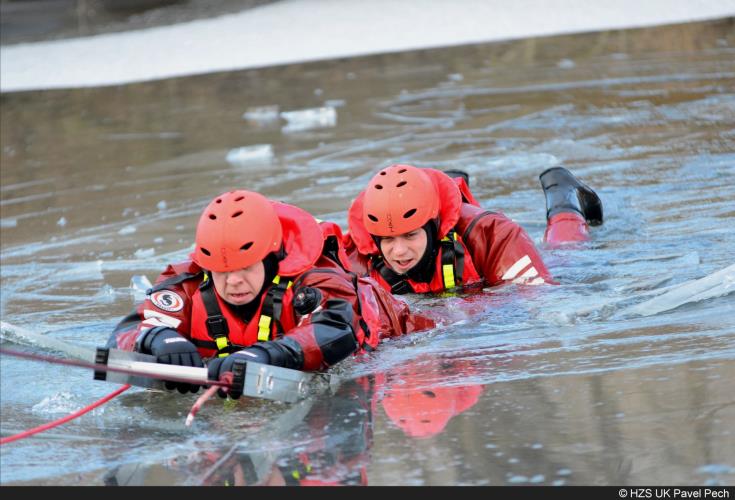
264,322
277,280
264,328
448,271
222,344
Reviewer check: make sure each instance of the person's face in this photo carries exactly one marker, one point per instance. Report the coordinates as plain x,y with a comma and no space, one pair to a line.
240,287
403,252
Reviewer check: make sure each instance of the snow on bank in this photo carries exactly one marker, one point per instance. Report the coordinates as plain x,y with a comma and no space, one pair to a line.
306,30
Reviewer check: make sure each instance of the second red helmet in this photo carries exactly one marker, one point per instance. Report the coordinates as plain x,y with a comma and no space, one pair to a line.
399,199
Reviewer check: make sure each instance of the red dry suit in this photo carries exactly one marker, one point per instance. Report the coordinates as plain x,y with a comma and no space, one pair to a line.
312,315
477,246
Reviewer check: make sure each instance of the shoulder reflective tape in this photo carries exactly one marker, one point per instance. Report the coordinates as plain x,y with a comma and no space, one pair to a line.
160,318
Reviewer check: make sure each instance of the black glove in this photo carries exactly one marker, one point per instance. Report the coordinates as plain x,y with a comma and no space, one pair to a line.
218,366
169,347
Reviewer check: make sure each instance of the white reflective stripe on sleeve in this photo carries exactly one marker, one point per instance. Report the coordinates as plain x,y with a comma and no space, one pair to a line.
531,273
153,322
157,318
517,268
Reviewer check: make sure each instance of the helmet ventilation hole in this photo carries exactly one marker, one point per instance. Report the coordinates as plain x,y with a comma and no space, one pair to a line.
237,214
205,251
239,198
378,186
409,213
401,184
403,170
246,246
212,216
372,218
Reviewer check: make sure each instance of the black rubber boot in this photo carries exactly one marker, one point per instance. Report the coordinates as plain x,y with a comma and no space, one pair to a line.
454,173
564,193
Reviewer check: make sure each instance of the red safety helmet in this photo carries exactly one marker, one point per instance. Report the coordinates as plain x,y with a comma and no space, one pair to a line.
236,230
399,199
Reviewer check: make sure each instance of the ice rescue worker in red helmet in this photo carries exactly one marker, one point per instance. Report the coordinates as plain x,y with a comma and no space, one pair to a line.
419,230
267,283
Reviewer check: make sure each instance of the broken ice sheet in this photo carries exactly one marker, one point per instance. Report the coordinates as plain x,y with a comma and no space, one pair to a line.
257,153
308,119
262,115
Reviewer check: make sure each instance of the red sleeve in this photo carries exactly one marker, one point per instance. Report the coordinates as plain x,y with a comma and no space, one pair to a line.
167,306
342,323
358,262
502,251
330,331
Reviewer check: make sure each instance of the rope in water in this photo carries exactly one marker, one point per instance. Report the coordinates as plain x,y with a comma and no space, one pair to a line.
63,420
224,383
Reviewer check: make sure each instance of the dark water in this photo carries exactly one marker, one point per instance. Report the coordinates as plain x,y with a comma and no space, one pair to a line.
583,383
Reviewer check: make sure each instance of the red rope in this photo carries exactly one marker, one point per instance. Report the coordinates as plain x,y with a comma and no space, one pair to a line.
224,383
56,423
227,378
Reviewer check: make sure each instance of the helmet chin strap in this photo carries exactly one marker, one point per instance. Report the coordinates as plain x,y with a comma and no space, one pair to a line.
423,271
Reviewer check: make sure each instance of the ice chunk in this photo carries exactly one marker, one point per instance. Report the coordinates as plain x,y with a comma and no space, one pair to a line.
307,119
63,402
262,115
161,205
258,153
139,285
713,285
127,230
140,282
61,222
8,222
144,253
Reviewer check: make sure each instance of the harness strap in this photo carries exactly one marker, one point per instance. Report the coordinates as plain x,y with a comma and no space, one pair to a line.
452,264
398,284
272,308
452,260
216,323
